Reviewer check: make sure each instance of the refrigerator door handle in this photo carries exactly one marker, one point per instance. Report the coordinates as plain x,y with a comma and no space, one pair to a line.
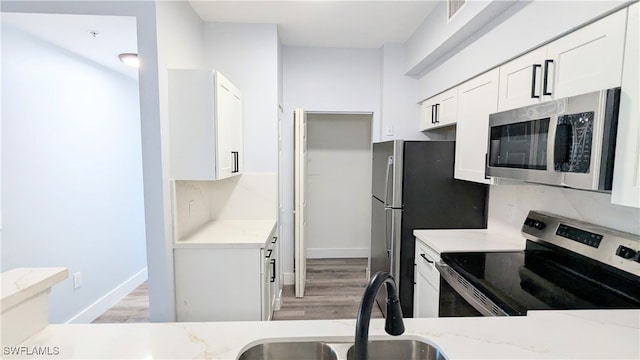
387,237
386,182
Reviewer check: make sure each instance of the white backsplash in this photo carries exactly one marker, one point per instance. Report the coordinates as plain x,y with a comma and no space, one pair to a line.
198,193
509,205
241,197
245,197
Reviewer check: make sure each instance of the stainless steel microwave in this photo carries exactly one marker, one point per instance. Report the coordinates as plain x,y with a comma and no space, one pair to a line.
567,142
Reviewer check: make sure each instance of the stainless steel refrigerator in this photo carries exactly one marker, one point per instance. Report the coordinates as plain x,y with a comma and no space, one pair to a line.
414,188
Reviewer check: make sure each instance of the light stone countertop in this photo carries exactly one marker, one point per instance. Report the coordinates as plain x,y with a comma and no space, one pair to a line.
21,284
556,334
230,234
470,240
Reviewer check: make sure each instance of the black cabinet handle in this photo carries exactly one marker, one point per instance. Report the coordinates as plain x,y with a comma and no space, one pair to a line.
545,79
424,257
273,270
236,163
433,114
269,253
437,114
275,239
533,81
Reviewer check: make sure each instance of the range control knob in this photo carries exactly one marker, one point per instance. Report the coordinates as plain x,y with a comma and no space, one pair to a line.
625,252
537,224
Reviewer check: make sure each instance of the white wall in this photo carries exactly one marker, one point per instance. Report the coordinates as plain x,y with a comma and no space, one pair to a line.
180,40
247,54
72,167
328,80
437,35
399,109
155,168
338,185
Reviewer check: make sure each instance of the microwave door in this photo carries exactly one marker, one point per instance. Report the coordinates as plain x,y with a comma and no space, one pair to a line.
521,150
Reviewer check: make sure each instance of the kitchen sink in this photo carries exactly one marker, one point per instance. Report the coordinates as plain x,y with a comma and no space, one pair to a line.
312,350
400,349
397,349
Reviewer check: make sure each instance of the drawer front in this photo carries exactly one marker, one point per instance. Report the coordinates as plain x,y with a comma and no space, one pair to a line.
425,260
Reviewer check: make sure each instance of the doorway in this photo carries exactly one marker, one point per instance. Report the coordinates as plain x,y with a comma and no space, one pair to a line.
332,177
338,181
332,153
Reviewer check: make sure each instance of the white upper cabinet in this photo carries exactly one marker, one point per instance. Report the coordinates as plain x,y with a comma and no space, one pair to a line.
626,173
477,98
588,59
520,80
229,123
440,110
205,119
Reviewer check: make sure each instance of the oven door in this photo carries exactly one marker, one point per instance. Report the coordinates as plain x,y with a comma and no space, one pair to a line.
458,297
451,303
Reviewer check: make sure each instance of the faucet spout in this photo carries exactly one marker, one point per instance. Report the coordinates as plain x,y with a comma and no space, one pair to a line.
393,323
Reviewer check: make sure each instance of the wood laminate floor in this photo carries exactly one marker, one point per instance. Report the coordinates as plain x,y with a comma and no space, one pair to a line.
134,308
333,291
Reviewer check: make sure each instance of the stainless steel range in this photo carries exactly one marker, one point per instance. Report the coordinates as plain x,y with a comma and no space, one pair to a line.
567,264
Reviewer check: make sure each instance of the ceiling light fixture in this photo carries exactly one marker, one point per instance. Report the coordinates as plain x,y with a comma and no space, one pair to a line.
130,59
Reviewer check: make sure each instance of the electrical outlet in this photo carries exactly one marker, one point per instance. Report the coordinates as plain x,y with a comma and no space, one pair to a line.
389,131
77,280
191,207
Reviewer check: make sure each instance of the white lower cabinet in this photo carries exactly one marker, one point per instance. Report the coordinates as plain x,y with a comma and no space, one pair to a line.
427,282
226,284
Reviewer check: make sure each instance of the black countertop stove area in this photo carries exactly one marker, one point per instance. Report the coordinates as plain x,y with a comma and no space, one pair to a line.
544,277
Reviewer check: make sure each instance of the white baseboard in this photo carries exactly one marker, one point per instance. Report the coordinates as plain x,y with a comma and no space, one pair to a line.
289,278
324,253
103,304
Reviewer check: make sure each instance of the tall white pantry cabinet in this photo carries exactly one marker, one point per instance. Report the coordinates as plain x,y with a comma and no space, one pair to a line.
205,125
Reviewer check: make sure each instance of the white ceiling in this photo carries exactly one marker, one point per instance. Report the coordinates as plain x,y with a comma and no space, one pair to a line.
357,24
117,34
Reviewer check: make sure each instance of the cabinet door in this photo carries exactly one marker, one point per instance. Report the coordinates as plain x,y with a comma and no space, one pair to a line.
427,114
440,110
588,59
218,284
237,136
426,297
225,119
192,144
521,80
447,108
477,98
626,174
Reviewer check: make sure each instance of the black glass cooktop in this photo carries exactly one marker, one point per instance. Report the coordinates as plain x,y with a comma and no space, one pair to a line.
541,278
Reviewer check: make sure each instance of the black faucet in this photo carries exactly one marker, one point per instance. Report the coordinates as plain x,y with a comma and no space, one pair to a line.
393,324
